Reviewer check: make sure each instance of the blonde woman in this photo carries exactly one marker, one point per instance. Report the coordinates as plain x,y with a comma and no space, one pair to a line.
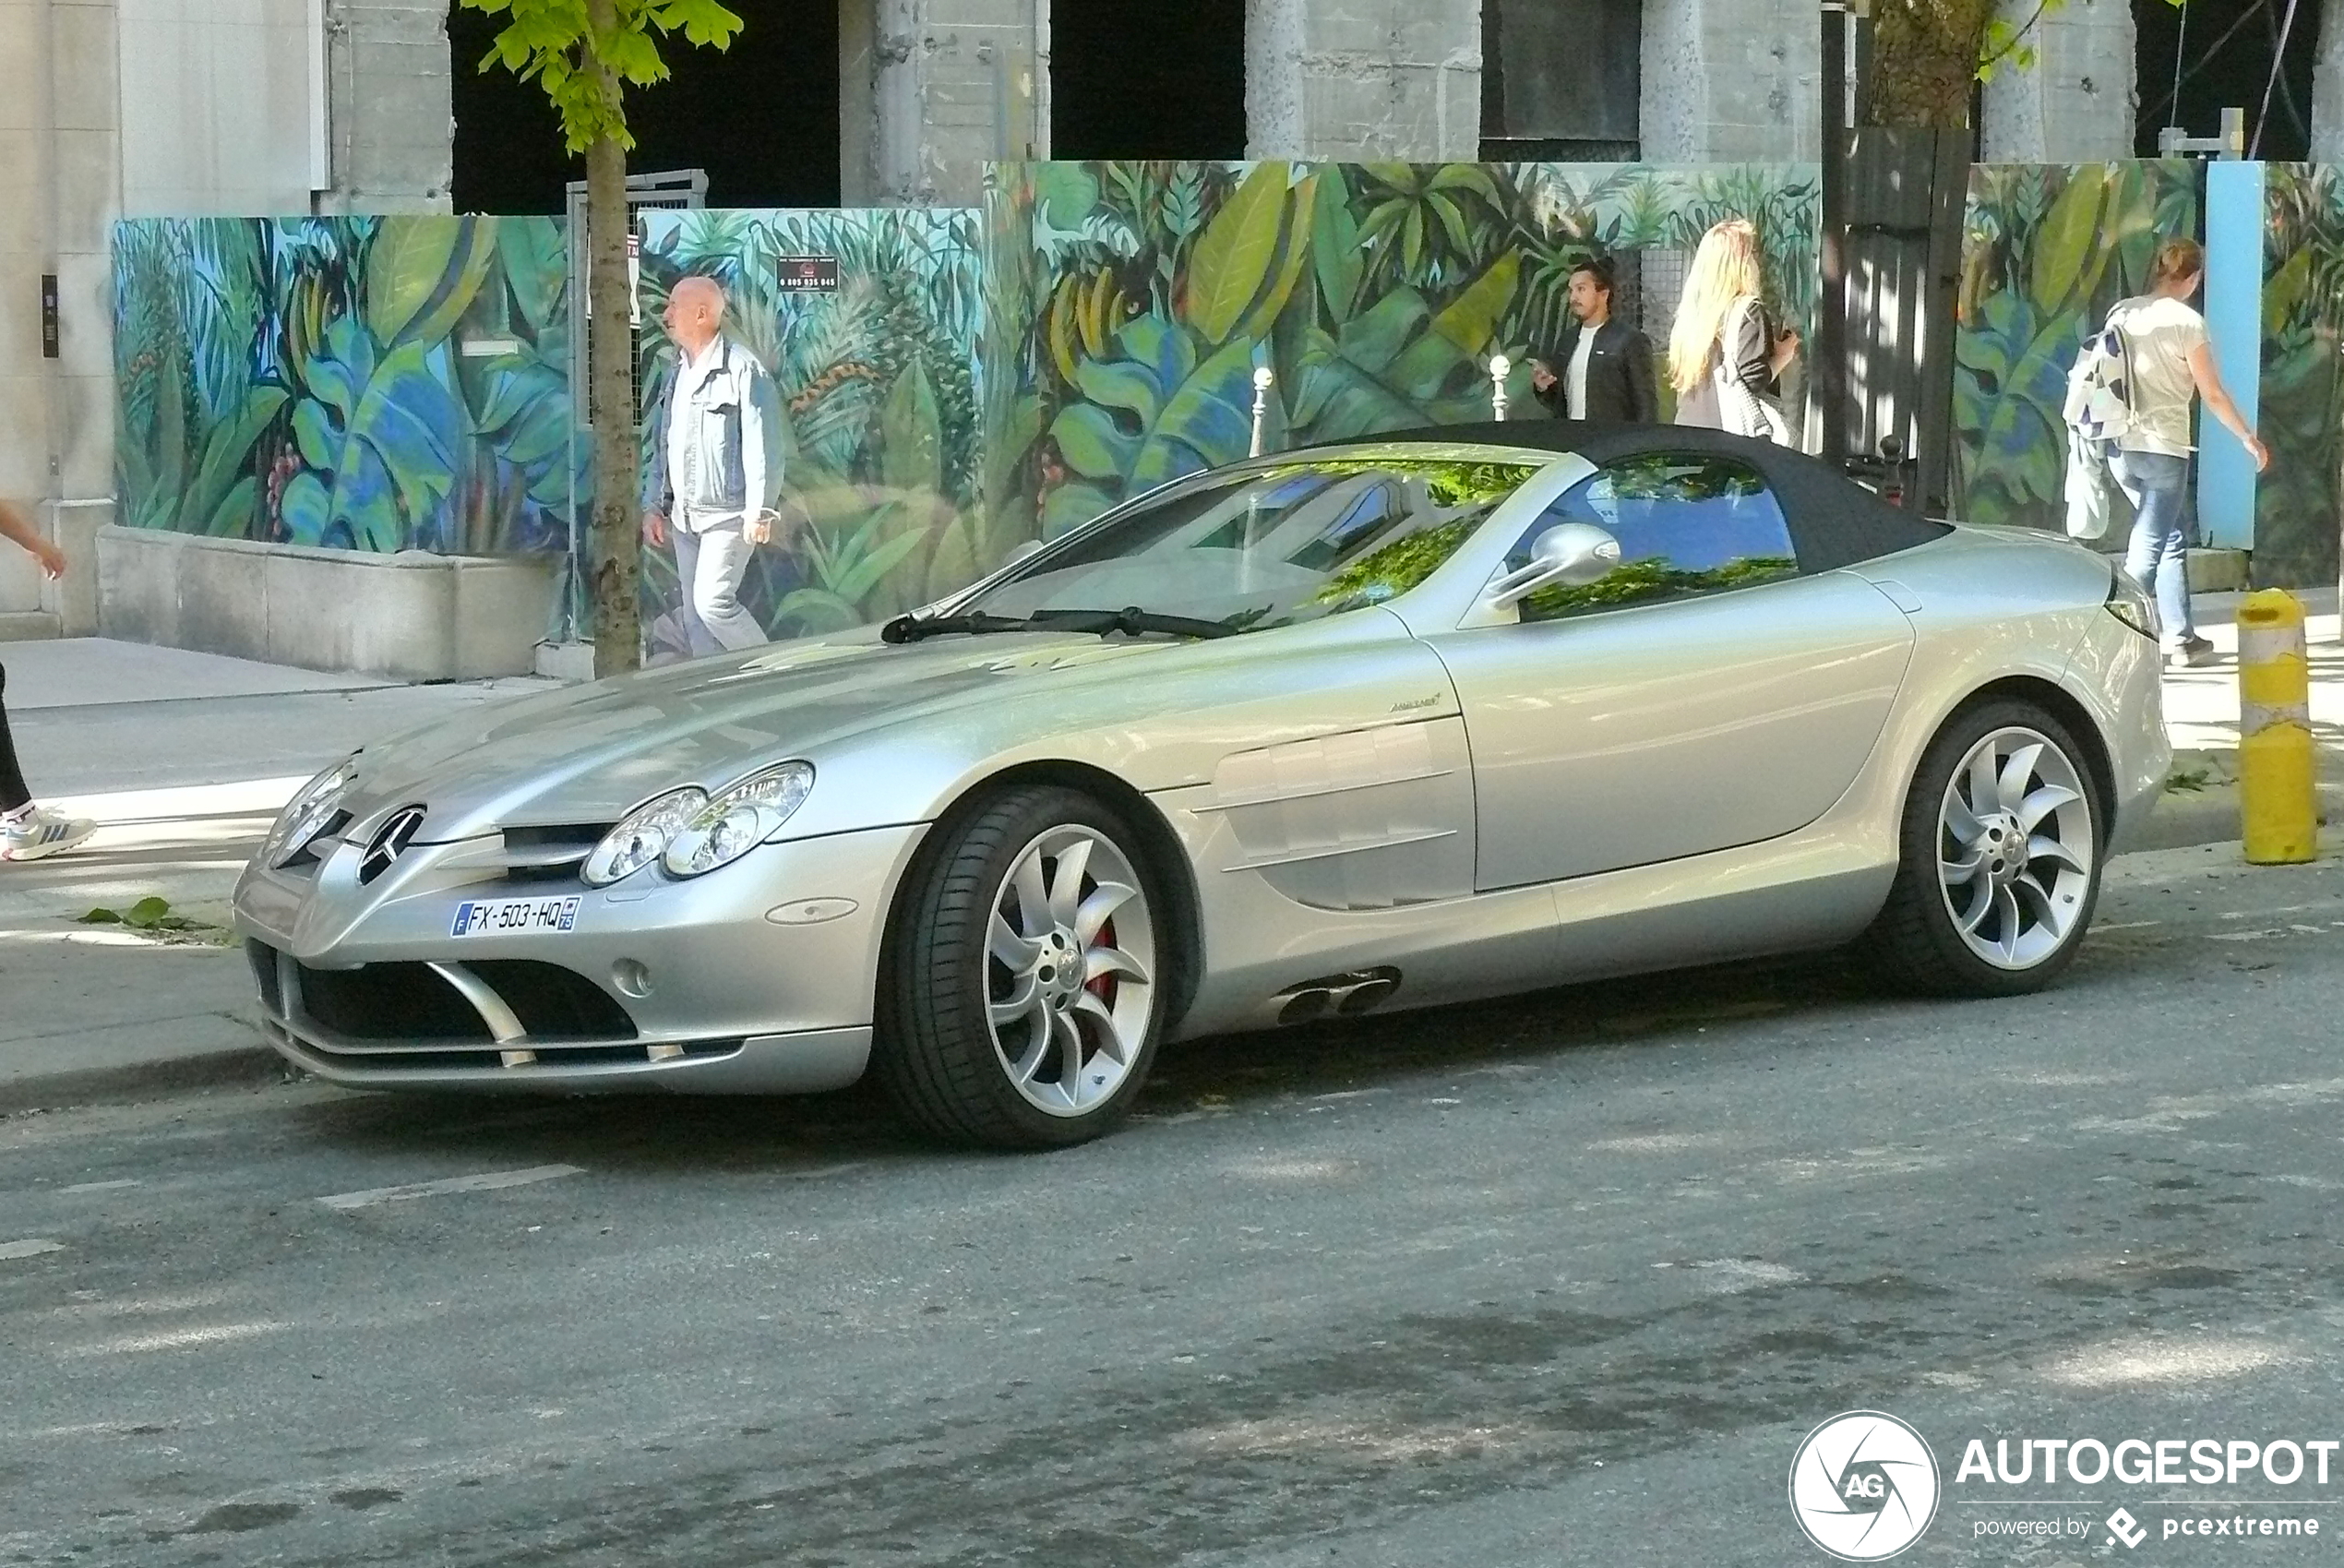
1724,355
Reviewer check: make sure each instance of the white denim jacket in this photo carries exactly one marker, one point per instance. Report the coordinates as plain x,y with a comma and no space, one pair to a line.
714,469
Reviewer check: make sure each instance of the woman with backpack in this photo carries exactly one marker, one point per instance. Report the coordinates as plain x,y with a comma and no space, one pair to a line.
1724,356
2170,365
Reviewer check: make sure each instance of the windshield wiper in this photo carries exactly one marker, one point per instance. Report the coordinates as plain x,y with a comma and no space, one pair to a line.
911,629
1131,622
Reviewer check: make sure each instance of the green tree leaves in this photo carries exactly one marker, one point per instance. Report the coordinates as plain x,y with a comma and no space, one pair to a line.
555,43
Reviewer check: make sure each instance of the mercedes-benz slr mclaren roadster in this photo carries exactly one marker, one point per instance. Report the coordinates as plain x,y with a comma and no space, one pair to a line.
1385,724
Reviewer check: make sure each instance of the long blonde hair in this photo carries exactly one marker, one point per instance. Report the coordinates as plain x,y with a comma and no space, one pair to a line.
1724,270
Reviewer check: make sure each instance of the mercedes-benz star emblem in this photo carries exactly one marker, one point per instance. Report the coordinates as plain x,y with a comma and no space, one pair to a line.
390,841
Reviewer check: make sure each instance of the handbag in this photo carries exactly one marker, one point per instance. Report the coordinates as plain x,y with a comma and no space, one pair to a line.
1739,410
2088,483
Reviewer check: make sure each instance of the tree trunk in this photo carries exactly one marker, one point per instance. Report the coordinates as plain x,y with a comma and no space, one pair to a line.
1924,61
617,540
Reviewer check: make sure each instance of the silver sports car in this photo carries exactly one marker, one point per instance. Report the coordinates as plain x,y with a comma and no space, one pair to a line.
1385,724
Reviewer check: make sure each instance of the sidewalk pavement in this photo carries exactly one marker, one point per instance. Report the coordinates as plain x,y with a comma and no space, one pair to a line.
185,759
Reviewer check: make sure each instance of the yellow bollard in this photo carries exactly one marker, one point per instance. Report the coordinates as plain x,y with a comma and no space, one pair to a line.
2278,792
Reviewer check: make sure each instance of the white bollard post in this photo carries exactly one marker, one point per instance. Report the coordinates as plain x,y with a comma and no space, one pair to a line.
1500,368
1263,378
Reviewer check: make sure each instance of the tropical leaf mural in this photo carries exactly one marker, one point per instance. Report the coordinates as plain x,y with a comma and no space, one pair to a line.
876,411
364,383
2300,497
2046,250
1130,304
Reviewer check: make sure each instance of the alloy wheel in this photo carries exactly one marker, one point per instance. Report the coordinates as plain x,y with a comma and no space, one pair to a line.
2017,850
1070,962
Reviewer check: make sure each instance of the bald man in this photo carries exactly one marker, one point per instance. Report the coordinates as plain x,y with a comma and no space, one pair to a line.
710,489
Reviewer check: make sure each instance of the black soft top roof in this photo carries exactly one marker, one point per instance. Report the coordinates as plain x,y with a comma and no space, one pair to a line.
1834,521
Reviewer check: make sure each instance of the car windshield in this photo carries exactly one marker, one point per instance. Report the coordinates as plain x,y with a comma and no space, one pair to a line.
1294,544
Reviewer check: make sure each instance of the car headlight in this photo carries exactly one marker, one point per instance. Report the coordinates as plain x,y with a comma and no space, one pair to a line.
739,820
305,815
642,836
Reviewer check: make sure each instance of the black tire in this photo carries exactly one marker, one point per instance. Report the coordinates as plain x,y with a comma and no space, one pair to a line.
934,1051
1916,940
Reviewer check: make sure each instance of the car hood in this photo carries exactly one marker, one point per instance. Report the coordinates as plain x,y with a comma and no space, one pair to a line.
586,754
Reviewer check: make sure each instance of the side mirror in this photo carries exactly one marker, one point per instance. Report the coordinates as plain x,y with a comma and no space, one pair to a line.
1568,555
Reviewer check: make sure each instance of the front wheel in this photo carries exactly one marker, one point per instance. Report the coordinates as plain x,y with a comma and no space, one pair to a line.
2000,867
1025,991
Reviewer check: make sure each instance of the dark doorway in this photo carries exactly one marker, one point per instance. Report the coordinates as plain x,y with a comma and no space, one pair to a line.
762,118
2224,53
1159,80
1560,79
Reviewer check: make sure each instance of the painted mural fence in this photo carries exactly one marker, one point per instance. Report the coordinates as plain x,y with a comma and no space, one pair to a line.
954,388
2046,249
2301,498
868,321
375,383
1130,304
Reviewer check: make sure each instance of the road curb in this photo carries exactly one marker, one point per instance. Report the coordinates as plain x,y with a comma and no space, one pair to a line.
241,1067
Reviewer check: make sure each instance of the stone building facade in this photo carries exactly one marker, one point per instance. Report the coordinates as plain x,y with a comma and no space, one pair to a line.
114,108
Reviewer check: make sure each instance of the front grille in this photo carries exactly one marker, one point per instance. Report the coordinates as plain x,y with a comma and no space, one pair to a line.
389,1002
550,853
411,1002
264,973
555,1003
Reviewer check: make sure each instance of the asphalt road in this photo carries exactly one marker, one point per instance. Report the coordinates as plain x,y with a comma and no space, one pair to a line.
1561,1280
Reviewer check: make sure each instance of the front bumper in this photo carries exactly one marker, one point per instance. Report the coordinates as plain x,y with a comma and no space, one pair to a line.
720,985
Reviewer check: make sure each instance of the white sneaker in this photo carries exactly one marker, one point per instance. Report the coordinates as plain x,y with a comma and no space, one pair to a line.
43,833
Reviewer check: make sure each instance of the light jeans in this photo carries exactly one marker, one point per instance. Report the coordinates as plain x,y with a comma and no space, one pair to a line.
2158,557
709,565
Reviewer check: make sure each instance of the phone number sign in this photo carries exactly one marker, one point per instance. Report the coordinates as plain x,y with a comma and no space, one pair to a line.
806,274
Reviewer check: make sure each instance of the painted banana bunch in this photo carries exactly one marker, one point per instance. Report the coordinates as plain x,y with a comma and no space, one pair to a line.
1083,315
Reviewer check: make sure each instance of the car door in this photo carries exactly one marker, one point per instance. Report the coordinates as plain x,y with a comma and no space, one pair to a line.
1704,693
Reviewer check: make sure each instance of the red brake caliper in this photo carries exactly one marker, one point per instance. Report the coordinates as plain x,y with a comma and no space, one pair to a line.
1104,987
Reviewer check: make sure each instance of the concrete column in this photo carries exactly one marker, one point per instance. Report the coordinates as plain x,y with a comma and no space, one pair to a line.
390,116
2328,86
1732,81
1351,79
2076,105
24,255
931,90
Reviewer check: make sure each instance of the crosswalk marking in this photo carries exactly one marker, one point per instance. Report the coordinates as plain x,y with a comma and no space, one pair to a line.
485,1181
28,1249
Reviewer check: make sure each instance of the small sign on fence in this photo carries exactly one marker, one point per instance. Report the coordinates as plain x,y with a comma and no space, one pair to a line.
806,274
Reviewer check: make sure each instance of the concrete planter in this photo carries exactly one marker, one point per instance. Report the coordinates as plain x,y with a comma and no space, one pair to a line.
409,616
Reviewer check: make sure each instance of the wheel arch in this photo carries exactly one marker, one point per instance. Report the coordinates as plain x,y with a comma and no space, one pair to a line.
1159,845
2064,706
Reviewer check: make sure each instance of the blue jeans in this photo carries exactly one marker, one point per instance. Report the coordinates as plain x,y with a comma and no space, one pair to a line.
2158,557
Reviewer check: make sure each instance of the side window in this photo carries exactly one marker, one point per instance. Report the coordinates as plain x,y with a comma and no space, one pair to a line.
1687,526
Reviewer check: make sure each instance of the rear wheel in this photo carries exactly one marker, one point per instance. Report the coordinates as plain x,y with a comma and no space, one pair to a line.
1023,999
2000,867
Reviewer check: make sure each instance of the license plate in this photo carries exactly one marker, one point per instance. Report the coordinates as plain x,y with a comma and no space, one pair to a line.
514,917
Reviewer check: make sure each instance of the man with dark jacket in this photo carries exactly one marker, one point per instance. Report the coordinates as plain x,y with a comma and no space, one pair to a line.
1604,370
